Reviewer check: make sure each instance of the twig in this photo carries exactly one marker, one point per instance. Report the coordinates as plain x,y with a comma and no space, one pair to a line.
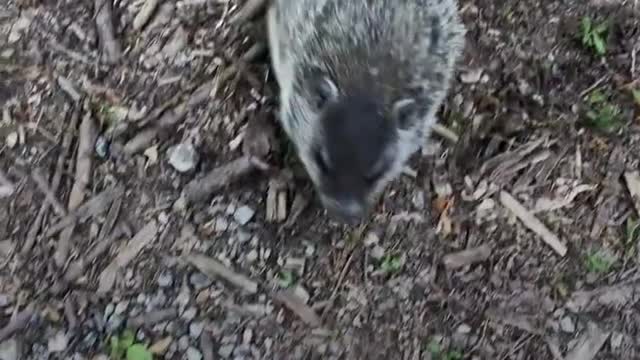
17,323
215,269
87,138
36,174
55,180
343,274
104,24
91,207
153,317
530,221
249,10
593,86
201,188
445,133
295,304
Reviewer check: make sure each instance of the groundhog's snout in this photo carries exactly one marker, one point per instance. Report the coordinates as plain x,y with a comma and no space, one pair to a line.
349,210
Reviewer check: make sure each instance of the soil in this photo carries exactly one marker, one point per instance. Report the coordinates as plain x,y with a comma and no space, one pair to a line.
99,236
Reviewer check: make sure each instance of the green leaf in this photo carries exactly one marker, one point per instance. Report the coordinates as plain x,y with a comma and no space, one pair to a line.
433,347
601,29
599,45
585,25
115,348
139,352
127,339
636,96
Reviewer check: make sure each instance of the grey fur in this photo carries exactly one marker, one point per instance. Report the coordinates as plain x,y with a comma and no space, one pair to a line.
360,83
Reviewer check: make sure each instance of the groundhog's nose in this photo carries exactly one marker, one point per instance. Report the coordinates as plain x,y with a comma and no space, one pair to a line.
349,211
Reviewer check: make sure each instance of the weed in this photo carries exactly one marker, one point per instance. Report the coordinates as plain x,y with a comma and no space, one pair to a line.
594,36
287,279
636,96
124,347
602,115
434,348
598,263
391,264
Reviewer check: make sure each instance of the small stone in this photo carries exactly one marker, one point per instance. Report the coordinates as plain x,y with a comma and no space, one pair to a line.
199,280
243,215
183,157
616,340
225,351
195,329
221,225
4,300
418,200
177,42
247,336
302,293
58,343
190,314
371,239
121,307
193,354
9,349
252,256
12,140
377,252
567,325
165,280
152,154
183,343
464,329
471,77
160,347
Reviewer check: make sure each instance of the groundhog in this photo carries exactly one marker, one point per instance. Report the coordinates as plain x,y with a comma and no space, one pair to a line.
360,82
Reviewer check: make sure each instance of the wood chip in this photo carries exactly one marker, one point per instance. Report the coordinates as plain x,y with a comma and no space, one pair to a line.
143,238
69,88
531,222
632,178
467,257
153,317
295,304
87,139
17,323
92,207
200,189
206,346
589,344
143,16
300,203
611,297
215,269
111,50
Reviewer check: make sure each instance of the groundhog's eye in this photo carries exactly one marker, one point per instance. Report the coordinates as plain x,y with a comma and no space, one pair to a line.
375,175
324,90
320,161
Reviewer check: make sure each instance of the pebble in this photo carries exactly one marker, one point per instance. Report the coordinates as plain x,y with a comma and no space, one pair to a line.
190,314
58,343
4,300
371,239
12,140
183,343
165,280
418,200
195,329
9,349
464,329
377,252
121,307
183,157
567,325
193,354
243,215
252,256
247,336
199,280
225,351
471,77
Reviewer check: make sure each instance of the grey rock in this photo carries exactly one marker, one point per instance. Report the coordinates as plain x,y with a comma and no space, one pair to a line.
195,329
9,350
121,308
225,351
183,343
567,325
190,314
165,279
193,354
199,280
58,342
183,157
243,215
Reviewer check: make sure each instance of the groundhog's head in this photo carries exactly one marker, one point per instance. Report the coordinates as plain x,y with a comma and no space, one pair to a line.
350,142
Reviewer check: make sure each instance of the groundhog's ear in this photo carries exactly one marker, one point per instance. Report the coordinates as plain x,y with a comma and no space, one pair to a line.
405,113
322,90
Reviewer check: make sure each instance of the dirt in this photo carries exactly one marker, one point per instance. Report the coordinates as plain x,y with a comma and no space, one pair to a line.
443,270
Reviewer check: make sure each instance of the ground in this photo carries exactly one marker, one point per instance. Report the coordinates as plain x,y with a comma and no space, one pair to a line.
513,235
